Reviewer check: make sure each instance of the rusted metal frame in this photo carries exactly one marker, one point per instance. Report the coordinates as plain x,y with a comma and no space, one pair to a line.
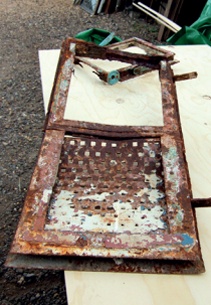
91,50
62,81
104,264
71,130
125,73
33,238
176,176
131,71
55,116
119,74
148,47
41,186
34,232
45,242
111,131
58,99
170,246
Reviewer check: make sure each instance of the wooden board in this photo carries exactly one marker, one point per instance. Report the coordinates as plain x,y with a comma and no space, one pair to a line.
133,103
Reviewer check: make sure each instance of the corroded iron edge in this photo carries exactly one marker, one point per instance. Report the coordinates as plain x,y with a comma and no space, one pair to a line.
105,264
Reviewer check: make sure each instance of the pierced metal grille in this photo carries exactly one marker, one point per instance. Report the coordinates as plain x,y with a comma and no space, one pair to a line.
85,198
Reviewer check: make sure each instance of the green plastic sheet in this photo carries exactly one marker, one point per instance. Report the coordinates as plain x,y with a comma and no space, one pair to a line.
198,33
97,36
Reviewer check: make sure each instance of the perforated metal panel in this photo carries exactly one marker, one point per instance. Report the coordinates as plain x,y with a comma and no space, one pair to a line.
109,186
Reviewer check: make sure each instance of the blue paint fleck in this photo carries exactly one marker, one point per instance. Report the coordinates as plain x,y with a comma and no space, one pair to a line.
187,240
142,208
83,237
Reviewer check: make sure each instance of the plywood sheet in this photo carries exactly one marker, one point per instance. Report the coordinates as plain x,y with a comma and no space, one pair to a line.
195,108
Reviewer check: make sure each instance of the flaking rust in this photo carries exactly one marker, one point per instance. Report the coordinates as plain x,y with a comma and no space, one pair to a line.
110,198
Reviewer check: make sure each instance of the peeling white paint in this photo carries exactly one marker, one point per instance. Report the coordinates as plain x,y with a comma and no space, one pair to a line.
152,179
42,161
44,200
153,194
46,195
36,205
97,197
64,216
122,192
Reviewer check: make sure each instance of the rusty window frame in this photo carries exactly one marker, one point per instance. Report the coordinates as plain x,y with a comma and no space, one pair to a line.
175,251
87,6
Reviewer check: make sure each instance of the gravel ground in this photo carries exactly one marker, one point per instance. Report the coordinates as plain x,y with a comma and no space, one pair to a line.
27,26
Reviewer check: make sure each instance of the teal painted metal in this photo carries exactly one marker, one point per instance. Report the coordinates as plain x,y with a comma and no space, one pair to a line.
113,77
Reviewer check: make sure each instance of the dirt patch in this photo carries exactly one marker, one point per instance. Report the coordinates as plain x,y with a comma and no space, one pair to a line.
26,27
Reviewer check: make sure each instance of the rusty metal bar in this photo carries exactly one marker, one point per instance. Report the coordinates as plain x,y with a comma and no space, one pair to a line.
41,185
84,49
112,131
105,264
185,76
201,202
148,47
